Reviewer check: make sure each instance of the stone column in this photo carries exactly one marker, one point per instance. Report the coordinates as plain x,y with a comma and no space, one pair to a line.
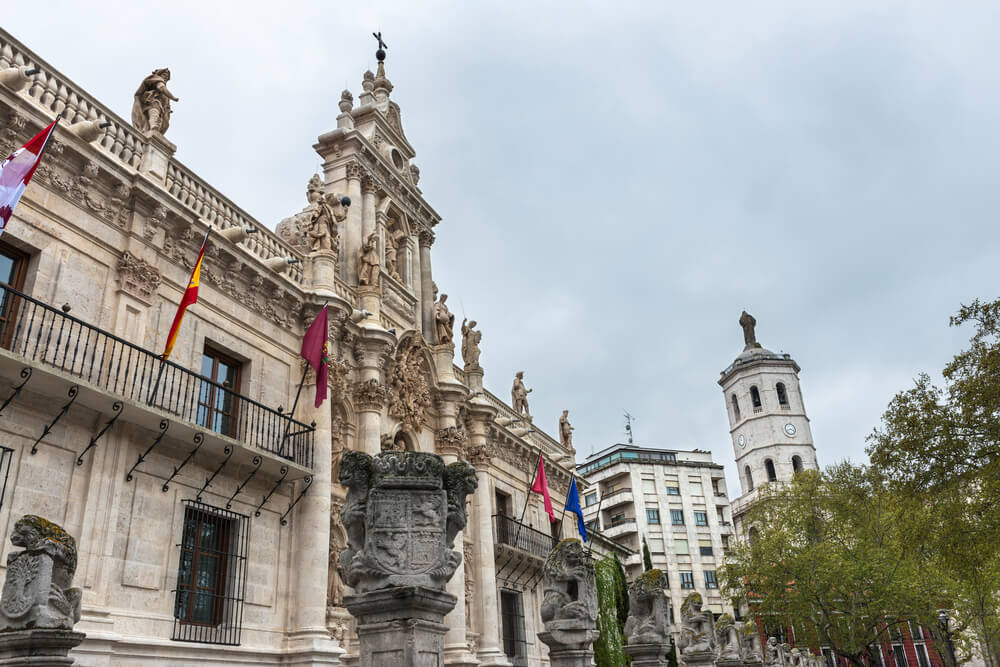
426,285
417,285
371,392
351,244
311,545
486,605
368,189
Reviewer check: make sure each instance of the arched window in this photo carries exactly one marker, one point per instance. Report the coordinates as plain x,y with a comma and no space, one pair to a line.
752,534
736,407
796,464
782,394
755,399
769,466
746,472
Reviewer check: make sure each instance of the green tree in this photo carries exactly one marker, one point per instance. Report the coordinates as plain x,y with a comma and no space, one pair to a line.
826,555
612,612
647,559
940,446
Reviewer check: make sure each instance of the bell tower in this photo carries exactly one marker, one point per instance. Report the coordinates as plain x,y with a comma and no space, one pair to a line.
767,417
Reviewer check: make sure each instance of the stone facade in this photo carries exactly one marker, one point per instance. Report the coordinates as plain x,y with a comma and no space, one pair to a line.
111,225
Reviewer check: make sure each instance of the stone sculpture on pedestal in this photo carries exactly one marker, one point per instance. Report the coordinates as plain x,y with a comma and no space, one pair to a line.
470,344
39,606
368,262
697,637
727,636
647,629
569,605
402,513
444,322
750,650
151,108
565,431
519,396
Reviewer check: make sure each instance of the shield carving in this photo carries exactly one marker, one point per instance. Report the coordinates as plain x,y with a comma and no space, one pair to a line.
406,529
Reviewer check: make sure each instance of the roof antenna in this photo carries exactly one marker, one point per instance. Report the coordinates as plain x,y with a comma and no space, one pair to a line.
628,426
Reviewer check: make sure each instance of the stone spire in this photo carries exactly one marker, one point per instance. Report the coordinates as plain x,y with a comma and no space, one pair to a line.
382,85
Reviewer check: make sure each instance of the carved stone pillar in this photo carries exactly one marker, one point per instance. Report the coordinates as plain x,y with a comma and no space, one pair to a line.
351,244
368,189
156,157
427,286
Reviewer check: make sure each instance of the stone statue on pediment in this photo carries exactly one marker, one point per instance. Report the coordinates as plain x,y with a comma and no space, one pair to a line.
151,108
471,338
519,396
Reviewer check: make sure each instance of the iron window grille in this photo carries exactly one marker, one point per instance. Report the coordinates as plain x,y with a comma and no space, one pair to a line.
211,575
701,518
677,517
687,579
710,580
512,622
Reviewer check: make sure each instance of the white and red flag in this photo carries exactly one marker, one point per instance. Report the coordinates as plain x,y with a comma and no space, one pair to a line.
17,170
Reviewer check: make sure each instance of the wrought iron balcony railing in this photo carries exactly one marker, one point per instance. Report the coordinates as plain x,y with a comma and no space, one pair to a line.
44,335
513,533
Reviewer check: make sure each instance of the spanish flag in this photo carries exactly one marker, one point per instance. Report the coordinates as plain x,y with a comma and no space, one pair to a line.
190,297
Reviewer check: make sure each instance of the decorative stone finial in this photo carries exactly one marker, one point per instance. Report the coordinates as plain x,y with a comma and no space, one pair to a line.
37,592
346,101
748,323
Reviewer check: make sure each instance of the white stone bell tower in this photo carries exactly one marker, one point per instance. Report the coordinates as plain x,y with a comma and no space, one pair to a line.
767,418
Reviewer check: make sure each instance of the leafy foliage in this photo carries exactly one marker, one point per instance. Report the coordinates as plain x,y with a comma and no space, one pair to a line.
612,612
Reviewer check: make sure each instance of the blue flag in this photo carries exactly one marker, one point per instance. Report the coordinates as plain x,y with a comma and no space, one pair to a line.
573,505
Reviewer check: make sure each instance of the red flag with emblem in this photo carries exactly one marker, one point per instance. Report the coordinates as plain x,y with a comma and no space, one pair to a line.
314,351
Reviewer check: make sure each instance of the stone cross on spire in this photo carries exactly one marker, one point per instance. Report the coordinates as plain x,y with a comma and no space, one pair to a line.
382,46
748,323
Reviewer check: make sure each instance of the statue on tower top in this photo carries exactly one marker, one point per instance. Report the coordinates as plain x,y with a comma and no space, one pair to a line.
748,323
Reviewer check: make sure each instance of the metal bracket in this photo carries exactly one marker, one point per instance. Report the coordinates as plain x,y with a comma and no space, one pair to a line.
26,374
229,453
164,425
72,397
283,471
118,407
307,480
257,460
198,439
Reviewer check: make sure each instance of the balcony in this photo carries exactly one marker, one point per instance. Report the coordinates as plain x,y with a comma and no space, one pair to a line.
619,528
617,497
632,559
64,351
519,551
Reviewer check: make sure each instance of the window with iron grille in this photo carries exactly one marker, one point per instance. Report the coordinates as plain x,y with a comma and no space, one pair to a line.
710,581
211,575
687,579
701,518
512,622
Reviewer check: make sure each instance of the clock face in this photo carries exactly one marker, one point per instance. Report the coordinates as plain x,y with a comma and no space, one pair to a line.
790,430
741,440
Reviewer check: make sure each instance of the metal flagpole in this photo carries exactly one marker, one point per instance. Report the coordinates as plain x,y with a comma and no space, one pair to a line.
527,498
562,519
298,392
598,516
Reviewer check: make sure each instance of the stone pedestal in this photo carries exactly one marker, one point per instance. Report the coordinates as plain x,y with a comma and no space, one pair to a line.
370,299
444,361
156,157
401,626
567,657
38,648
700,659
649,655
727,663
324,270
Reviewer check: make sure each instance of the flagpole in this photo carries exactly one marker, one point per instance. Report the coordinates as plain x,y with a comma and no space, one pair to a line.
527,498
156,385
597,516
295,403
563,517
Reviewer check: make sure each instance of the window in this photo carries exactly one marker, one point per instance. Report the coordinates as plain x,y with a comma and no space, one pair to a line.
590,499
916,630
217,402
736,407
687,579
677,517
771,475
696,488
593,524
656,545
12,265
503,503
700,518
782,394
652,516
512,622
705,549
617,518
921,652
755,399
710,581
899,655
681,547
211,583
648,486
673,490
796,464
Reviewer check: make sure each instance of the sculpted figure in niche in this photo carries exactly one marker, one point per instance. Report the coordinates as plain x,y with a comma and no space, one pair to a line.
327,211
392,239
565,431
648,614
728,637
697,627
444,321
519,395
368,264
470,344
151,108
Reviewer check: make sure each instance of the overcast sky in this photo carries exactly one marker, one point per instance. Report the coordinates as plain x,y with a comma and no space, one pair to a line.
619,180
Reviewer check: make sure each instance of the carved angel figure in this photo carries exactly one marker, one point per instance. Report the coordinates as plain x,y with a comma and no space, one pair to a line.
151,108
697,627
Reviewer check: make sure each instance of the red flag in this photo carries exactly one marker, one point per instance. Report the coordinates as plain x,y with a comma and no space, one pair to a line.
190,297
542,487
17,170
315,350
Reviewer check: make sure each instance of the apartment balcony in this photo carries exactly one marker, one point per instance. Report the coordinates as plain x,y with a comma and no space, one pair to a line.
519,551
619,528
616,498
632,559
59,356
